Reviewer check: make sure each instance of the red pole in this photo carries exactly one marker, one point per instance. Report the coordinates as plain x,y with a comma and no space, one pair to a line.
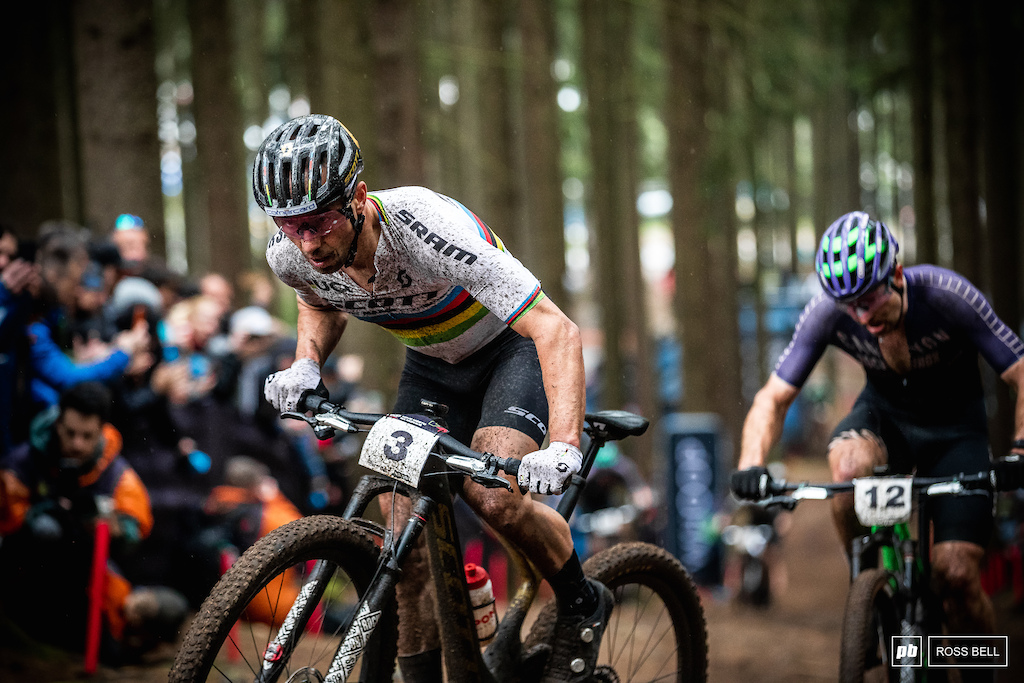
97,593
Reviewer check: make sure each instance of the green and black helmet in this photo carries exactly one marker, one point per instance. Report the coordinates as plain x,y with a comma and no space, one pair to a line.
855,255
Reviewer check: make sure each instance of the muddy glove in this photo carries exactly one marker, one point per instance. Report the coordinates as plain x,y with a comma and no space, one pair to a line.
548,471
751,483
284,389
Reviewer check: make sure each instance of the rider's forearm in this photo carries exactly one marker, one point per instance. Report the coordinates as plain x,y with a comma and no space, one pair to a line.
560,351
564,382
1014,376
761,430
318,332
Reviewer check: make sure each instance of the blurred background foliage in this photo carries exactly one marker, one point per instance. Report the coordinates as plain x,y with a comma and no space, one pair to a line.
664,166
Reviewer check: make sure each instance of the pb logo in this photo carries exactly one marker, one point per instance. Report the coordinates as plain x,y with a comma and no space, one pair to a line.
906,651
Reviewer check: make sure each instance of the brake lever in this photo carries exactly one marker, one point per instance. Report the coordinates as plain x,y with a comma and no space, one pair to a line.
299,416
484,473
785,502
491,481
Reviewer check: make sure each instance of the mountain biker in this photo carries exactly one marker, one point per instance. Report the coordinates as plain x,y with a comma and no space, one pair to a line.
482,338
917,332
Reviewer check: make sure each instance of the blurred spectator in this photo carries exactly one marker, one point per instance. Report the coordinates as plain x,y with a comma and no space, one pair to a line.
188,328
62,260
258,290
53,490
132,241
249,361
87,323
19,283
246,507
216,288
104,253
173,287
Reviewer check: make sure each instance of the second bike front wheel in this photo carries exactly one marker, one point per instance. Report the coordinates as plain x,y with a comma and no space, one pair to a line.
241,632
869,622
656,631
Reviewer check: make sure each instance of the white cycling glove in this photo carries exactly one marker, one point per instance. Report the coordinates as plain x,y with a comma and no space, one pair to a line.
547,471
283,389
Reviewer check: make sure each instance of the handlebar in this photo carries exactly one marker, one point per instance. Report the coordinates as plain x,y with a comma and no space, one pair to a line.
481,467
787,494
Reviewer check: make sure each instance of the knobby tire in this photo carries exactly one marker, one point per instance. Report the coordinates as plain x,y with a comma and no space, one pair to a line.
870,620
656,631
210,646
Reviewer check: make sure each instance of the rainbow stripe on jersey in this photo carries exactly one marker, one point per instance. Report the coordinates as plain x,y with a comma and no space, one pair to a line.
446,320
486,233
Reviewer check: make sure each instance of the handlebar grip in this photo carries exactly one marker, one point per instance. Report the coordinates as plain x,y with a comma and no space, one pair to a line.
511,466
312,399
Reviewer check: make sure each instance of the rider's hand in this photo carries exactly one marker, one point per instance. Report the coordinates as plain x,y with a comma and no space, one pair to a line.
1009,472
548,470
751,483
284,389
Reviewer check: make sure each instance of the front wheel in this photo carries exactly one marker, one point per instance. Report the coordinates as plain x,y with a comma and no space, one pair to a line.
870,621
248,630
656,631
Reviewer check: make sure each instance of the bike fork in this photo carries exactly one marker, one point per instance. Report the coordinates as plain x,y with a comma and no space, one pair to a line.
368,612
381,590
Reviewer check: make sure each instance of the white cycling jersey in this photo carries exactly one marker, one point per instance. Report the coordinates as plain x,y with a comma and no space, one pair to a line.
445,284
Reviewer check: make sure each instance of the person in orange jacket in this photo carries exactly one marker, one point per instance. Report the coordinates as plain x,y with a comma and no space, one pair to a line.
248,506
53,490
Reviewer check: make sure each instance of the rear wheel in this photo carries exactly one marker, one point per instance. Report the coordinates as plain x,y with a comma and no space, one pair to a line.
241,632
870,621
656,631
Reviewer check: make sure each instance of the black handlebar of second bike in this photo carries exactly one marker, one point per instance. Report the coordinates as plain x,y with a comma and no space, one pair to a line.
980,480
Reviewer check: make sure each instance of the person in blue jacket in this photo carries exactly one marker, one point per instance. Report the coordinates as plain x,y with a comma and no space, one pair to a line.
62,258
19,282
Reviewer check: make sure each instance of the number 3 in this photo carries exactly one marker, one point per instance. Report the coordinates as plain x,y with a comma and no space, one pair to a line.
404,440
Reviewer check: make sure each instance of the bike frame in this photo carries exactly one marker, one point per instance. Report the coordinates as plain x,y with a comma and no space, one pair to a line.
433,513
908,563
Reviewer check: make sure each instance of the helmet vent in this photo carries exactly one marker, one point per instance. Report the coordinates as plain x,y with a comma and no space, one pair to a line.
286,174
323,169
271,178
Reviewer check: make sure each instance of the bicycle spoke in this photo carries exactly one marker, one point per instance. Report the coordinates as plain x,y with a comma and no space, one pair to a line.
649,647
231,639
632,634
652,646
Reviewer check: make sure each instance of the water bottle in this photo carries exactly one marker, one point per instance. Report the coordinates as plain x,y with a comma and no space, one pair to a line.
481,596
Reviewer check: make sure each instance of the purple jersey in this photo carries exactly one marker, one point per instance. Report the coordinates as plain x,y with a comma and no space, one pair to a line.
948,322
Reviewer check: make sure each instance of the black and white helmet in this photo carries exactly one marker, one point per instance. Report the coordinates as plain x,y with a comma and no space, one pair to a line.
306,164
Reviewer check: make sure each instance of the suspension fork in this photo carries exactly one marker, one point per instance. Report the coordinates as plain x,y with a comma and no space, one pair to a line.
381,589
280,649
